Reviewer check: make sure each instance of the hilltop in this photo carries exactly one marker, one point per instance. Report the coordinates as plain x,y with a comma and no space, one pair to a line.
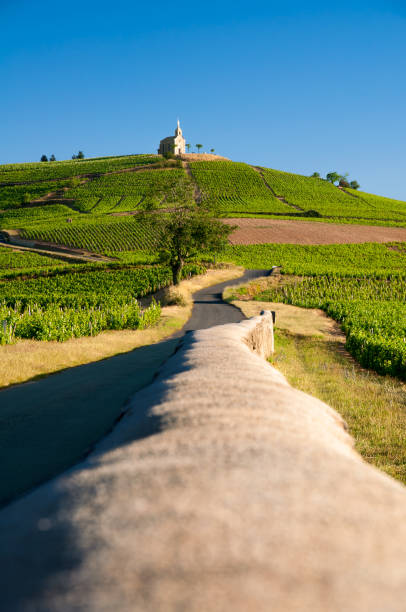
94,203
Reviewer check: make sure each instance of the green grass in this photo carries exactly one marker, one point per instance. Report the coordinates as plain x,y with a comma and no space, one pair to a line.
373,406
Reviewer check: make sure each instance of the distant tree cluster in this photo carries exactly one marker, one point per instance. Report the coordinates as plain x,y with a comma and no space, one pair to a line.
52,158
341,179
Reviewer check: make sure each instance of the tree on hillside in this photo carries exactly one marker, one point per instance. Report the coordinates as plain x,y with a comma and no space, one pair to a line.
52,158
354,185
212,151
198,147
81,155
333,177
344,183
188,147
315,175
44,158
186,232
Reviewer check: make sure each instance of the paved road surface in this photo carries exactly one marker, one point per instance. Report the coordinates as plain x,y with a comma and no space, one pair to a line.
210,310
47,425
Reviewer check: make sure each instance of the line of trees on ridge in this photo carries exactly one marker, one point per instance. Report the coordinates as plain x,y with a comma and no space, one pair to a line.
52,157
341,179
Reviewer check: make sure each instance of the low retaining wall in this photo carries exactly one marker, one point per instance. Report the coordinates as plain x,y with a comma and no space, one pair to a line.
222,489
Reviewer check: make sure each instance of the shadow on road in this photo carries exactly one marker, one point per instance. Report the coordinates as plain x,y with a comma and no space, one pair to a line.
47,425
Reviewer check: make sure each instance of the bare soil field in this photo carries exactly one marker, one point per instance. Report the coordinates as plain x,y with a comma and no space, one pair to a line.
202,157
262,231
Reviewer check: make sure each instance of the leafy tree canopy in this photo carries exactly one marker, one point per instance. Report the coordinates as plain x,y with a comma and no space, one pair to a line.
186,232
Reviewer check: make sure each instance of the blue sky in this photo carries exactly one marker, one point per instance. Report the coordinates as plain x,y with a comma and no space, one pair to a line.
297,86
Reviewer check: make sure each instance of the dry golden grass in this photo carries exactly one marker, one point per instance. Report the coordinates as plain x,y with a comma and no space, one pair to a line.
298,321
30,358
309,351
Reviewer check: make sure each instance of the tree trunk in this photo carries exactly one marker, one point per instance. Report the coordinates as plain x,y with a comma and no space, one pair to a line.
176,272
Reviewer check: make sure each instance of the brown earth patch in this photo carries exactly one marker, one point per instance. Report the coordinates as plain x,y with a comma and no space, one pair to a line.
263,231
202,157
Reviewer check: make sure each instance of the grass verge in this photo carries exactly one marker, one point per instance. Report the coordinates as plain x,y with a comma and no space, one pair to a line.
309,351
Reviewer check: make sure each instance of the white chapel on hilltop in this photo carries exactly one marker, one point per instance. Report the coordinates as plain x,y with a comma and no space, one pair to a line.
173,144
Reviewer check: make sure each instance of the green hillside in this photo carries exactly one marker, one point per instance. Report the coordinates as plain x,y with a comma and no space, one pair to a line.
39,198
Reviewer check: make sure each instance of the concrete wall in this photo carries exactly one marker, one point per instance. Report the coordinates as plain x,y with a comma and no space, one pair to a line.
222,489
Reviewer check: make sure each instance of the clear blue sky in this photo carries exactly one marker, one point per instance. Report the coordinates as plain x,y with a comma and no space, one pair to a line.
294,85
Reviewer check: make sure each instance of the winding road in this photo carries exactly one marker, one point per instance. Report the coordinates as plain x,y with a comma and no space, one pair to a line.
47,425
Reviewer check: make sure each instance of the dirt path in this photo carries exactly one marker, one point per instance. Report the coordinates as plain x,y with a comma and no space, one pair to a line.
263,231
197,192
280,198
58,251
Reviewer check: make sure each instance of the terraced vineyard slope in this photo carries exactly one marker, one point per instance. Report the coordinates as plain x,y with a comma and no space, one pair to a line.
77,202
327,200
235,188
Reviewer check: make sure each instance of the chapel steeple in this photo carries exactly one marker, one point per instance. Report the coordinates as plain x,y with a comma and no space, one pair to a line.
178,131
173,144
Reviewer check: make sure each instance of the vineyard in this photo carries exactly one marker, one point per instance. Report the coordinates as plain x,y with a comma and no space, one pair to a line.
15,196
81,303
385,207
371,311
312,260
235,187
97,234
20,173
315,194
130,184
13,262
123,192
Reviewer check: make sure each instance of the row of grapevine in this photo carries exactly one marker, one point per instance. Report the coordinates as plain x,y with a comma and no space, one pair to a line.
35,215
67,305
100,236
371,311
55,323
13,197
312,260
14,173
156,186
235,187
328,200
15,260
383,207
